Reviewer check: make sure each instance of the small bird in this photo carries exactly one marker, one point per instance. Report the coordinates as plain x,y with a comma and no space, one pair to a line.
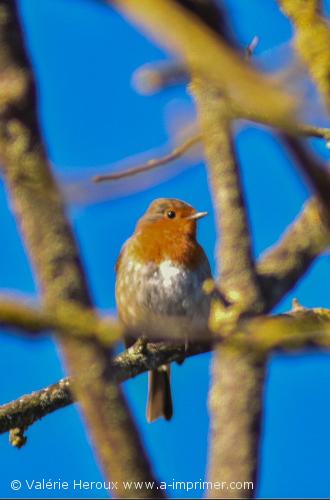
160,274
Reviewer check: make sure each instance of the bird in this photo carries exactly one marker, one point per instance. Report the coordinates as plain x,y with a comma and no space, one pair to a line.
159,278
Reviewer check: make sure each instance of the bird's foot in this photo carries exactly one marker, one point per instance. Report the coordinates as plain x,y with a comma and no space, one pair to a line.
140,345
185,350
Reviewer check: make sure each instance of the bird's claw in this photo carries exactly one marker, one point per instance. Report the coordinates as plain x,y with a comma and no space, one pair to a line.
185,351
140,345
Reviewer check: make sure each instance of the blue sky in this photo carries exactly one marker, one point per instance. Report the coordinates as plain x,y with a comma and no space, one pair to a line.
84,56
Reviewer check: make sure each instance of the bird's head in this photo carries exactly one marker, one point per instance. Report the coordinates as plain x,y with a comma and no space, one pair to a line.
170,217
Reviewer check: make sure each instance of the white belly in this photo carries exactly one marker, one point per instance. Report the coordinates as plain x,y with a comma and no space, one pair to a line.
163,290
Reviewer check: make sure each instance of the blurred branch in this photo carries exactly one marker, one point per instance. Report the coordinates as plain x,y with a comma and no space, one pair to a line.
297,330
238,278
152,78
38,207
300,129
236,392
308,236
13,84
315,171
312,40
177,153
251,47
210,56
68,319
307,130
283,265
236,404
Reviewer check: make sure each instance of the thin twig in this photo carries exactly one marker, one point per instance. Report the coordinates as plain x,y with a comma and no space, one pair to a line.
177,153
251,47
301,129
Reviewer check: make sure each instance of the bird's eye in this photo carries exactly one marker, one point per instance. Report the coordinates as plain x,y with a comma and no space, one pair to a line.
171,214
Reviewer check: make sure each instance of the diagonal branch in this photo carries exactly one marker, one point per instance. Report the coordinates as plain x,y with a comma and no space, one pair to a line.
316,173
177,153
210,56
38,207
312,40
301,129
283,265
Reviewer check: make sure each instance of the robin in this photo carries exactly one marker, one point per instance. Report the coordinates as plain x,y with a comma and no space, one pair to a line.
160,274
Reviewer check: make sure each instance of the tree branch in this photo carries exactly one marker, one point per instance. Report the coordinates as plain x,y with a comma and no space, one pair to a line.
312,40
295,331
283,265
238,277
236,404
67,319
236,392
177,153
40,212
317,174
302,129
155,77
202,49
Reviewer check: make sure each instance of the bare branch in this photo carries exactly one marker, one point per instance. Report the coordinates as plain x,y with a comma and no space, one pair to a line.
307,130
283,265
251,47
68,319
39,209
312,40
202,49
238,279
294,331
235,395
300,129
317,174
151,164
236,404
30,408
152,78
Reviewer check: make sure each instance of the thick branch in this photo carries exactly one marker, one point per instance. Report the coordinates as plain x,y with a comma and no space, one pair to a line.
283,265
312,40
202,49
238,278
40,212
297,330
32,407
236,392
68,319
236,404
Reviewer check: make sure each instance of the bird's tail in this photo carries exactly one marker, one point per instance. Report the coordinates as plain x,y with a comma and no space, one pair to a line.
159,394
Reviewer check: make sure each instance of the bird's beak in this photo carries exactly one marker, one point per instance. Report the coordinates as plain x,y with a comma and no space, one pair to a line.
197,215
